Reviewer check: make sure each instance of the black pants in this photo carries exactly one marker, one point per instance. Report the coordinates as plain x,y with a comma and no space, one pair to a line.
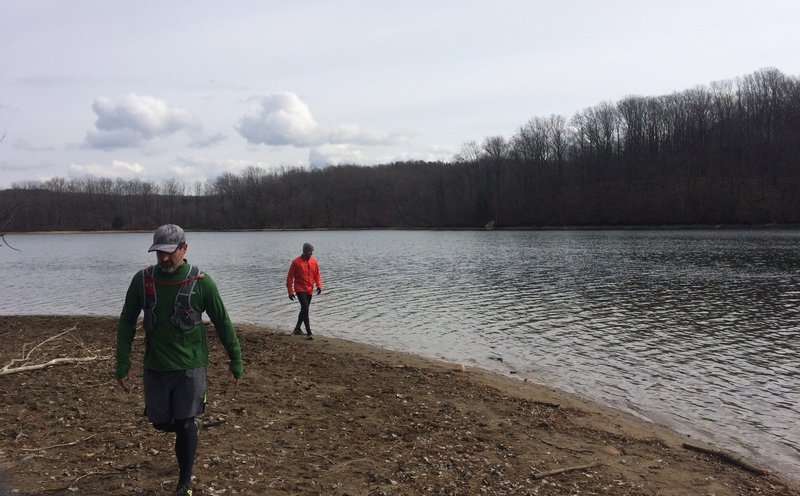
302,317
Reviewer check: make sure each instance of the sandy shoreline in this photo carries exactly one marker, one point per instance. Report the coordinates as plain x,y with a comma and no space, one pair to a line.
331,417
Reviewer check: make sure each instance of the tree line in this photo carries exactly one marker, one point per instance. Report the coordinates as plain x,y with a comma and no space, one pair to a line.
727,153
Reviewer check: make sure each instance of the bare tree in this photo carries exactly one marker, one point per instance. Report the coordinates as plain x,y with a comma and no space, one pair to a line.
470,152
6,222
496,148
173,187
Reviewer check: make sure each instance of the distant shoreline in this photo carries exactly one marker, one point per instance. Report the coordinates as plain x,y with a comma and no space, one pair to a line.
666,227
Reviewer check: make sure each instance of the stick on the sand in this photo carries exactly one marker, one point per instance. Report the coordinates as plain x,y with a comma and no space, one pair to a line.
54,361
726,457
542,475
73,443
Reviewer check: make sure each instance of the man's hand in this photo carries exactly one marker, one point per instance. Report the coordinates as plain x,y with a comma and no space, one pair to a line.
121,382
319,290
291,296
235,380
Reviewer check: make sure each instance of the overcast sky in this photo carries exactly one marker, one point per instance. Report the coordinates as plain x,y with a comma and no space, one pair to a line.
192,89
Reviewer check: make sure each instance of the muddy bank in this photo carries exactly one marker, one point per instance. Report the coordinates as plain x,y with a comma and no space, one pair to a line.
328,417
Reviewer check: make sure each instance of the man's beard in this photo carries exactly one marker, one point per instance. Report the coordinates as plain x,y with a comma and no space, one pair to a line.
168,270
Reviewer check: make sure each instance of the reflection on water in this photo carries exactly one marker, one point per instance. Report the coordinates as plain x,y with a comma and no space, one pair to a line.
698,330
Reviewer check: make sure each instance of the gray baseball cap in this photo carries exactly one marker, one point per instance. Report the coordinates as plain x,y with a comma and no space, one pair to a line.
167,238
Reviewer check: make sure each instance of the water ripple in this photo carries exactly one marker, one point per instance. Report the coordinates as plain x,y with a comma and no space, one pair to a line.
699,330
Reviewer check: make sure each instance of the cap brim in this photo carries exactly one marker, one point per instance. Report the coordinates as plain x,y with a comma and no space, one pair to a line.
165,248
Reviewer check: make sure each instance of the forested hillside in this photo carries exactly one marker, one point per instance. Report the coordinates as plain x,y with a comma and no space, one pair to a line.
726,153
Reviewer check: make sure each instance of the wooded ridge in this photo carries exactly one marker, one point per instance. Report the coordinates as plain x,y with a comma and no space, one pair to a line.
727,153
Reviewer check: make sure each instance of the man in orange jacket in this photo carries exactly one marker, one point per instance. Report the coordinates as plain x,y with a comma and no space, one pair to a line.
303,275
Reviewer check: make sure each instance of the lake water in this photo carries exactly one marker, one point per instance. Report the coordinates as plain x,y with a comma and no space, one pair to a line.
697,330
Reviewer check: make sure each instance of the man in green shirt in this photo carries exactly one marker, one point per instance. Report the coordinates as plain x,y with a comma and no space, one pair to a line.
174,295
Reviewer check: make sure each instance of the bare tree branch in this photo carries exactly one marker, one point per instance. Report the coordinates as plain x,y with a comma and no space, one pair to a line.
3,241
8,220
28,356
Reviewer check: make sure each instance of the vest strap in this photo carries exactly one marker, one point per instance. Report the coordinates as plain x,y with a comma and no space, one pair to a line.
149,299
185,317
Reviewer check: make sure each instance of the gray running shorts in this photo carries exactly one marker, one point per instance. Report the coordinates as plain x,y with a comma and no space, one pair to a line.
178,394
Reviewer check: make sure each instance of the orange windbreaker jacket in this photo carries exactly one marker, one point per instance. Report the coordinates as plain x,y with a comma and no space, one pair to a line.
302,276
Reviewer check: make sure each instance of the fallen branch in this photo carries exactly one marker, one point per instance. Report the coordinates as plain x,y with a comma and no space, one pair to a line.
542,475
728,458
55,361
27,356
73,443
561,447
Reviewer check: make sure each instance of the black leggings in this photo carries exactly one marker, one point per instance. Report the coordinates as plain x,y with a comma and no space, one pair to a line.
302,317
185,445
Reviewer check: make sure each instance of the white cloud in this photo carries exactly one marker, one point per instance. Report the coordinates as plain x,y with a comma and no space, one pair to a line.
279,119
134,119
284,119
326,155
193,169
431,153
116,169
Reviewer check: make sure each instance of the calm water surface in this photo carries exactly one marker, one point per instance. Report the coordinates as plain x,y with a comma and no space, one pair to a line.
697,330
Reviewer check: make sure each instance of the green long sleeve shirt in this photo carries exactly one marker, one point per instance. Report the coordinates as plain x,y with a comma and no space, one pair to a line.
166,346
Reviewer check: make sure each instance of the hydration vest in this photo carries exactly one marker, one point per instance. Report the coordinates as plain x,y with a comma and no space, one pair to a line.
185,317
